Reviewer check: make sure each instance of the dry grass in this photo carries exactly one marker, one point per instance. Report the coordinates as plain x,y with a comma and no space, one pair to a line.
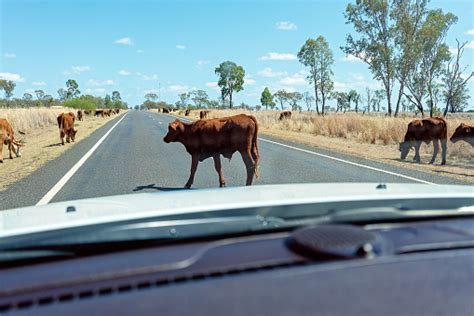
372,137
42,142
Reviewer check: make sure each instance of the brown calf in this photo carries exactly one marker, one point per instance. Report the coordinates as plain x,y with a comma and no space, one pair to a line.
214,137
203,114
285,115
464,132
428,130
80,115
7,138
66,127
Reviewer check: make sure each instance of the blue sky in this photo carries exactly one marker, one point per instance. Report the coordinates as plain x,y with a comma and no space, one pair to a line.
174,46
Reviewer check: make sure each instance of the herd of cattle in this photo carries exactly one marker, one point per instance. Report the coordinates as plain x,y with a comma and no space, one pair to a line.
65,124
207,138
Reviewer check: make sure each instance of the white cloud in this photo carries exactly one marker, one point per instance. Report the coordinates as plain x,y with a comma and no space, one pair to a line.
99,83
213,85
176,88
139,51
357,77
453,50
202,62
297,79
11,76
180,46
147,77
269,73
351,59
278,56
95,90
470,45
38,83
248,80
123,72
151,91
470,32
78,70
10,55
124,41
286,25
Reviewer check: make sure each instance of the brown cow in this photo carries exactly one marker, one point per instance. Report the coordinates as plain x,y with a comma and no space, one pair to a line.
285,115
203,114
66,127
80,115
188,111
166,110
214,137
117,111
87,112
426,130
7,138
99,112
464,132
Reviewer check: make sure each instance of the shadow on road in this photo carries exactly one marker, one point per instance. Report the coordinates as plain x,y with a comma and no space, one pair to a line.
153,187
455,173
53,145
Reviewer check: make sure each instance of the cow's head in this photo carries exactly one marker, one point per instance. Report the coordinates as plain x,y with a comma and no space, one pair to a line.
404,148
461,132
175,129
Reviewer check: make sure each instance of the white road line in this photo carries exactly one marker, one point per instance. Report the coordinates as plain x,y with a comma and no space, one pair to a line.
58,186
339,159
346,161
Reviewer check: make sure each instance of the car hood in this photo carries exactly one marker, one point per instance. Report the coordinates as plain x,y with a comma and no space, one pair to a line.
145,205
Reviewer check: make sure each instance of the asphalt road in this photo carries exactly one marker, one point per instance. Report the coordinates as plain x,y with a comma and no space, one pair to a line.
134,158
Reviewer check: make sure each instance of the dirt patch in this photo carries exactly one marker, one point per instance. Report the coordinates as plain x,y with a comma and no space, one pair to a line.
43,145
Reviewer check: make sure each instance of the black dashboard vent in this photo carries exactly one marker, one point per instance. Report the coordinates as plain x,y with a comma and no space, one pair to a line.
334,241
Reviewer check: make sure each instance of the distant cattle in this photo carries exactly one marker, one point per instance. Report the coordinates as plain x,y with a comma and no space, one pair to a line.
66,127
87,112
188,111
99,113
203,114
427,130
80,115
464,132
165,110
285,115
214,137
7,137
117,111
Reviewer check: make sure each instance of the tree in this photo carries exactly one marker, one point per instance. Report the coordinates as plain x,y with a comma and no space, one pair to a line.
353,96
267,99
369,95
375,45
153,97
7,86
456,93
72,89
231,79
183,100
27,96
39,94
62,94
342,101
317,55
282,97
213,104
200,98
379,96
428,62
116,96
294,98
308,99
108,102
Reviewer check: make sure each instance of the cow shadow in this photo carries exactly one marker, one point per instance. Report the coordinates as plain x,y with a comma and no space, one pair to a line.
53,145
157,188
454,173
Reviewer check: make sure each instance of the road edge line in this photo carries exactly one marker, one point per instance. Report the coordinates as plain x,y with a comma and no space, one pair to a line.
60,184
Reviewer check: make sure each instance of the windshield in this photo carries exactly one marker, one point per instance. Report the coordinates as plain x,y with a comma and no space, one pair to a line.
147,104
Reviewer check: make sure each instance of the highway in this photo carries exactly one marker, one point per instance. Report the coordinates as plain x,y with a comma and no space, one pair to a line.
128,155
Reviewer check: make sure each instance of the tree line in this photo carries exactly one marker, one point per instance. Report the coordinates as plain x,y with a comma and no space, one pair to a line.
70,96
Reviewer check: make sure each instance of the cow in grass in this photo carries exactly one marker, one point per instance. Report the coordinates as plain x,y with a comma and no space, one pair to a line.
285,115
66,127
220,136
464,132
433,129
203,114
7,138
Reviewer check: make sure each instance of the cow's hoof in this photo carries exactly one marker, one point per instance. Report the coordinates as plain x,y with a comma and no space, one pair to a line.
431,162
222,185
1,161
443,163
187,186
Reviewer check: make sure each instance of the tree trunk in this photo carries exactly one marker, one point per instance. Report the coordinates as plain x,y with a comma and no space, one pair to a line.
446,108
316,96
400,93
389,101
323,99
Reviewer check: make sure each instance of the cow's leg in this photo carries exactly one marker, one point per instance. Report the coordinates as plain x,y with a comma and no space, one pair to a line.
417,151
435,150
61,136
249,164
444,145
68,136
1,149
218,166
10,149
194,164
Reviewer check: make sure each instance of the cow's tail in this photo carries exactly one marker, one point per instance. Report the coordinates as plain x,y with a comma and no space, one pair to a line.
254,149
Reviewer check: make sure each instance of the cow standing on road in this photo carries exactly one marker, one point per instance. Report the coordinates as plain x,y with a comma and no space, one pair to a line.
464,132
214,137
285,115
7,138
428,130
203,114
66,127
